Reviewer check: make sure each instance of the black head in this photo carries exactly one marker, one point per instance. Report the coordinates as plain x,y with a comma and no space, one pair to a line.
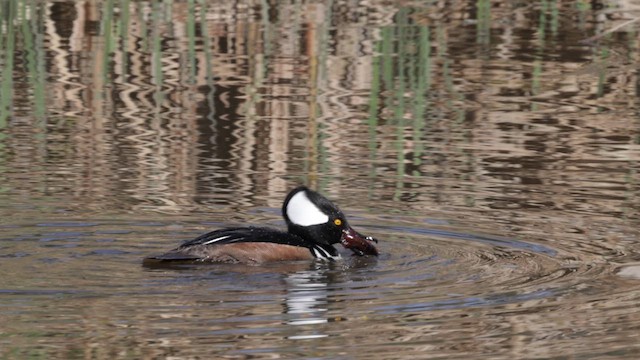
316,219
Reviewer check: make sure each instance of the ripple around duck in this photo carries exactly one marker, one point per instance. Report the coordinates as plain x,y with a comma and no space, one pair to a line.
415,262
428,276
424,269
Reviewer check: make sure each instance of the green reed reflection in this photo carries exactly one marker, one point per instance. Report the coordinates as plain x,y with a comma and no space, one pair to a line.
483,25
193,71
402,78
421,85
123,30
374,109
33,43
208,66
141,20
582,7
8,53
156,55
399,100
555,17
540,48
602,60
107,31
191,41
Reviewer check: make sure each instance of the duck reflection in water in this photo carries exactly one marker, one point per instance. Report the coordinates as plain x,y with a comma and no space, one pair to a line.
309,297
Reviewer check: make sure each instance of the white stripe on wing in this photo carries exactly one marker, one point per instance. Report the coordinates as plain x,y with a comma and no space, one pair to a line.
216,240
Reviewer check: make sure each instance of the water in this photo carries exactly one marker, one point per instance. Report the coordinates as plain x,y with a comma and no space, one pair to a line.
491,149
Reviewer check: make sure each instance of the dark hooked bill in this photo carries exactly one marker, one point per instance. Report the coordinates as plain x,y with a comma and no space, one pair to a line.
358,243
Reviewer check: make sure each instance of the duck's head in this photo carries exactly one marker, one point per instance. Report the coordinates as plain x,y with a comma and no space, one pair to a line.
313,217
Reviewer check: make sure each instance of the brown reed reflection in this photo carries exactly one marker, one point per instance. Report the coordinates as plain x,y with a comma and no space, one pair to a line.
182,103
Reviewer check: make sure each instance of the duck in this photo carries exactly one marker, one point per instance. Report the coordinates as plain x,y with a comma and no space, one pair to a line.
314,226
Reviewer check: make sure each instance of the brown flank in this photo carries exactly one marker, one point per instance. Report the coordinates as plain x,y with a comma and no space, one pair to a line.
247,253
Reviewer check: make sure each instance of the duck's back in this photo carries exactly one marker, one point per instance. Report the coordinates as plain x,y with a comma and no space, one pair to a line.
248,245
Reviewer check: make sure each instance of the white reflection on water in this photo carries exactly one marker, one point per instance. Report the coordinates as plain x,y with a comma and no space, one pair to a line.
306,301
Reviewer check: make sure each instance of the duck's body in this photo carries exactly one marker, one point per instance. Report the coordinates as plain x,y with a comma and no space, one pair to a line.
314,225
250,245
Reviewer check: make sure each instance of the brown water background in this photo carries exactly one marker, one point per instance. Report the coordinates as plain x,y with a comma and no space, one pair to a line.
492,146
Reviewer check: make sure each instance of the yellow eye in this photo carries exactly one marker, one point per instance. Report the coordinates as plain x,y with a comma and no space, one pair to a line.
338,222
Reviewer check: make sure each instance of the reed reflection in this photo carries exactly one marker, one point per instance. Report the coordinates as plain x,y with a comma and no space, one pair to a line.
175,105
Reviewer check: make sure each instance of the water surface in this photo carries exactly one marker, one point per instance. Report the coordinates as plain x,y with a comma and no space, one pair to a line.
493,147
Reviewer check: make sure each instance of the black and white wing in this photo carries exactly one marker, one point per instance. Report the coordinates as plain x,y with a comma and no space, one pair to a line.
244,234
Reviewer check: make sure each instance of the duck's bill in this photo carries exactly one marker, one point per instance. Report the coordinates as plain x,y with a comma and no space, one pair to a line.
358,243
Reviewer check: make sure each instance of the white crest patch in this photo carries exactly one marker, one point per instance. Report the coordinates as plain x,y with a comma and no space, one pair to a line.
301,211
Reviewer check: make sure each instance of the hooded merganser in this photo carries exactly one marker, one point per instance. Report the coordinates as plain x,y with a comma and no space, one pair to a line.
314,225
